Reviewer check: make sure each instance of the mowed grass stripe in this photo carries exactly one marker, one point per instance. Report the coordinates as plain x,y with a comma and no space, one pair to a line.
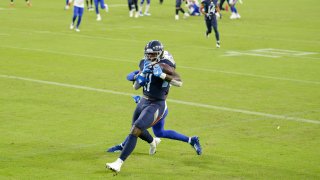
273,116
183,67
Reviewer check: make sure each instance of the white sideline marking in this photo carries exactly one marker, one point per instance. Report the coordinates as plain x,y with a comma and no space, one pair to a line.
185,67
251,75
170,100
270,52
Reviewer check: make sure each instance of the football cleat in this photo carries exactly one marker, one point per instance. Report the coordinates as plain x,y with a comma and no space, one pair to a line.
195,143
233,16
147,14
131,13
71,26
98,17
137,15
218,44
116,148
29,4
153,145
207,35
77,30
176,17
115,166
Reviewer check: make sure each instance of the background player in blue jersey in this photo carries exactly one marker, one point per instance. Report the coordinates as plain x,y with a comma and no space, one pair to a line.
102,6
211,10
234,11
158,128
155,82
146,11
67,5
194,8
78,7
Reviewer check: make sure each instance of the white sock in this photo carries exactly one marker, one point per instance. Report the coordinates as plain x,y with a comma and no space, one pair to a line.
147,8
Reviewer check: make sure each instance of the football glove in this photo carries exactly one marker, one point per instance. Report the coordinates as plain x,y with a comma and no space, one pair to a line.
146,67
130,76
142,80
157,71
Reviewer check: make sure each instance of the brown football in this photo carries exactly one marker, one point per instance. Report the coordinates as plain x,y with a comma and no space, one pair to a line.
166,68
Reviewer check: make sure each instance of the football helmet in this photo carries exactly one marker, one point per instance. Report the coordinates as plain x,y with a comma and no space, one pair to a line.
153,51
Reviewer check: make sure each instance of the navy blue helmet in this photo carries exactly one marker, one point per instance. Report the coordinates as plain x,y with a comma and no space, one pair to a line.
153,51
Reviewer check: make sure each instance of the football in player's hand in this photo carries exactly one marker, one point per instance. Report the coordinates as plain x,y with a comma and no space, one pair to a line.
166,68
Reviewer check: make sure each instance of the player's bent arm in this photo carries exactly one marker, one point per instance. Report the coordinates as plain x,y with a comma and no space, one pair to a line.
173,79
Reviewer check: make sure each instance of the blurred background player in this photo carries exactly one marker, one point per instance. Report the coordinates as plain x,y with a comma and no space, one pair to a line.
102,6
193,7
221,5
89,5
146,11
234,11
133,5
179,8
27,1
67,5
78,7
210,10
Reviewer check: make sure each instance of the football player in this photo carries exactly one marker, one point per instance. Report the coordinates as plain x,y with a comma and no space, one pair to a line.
67,5
158,128
78,7
133,5
234,11
146,11
102,6
152,107
193,6
180,9
89,5
210,10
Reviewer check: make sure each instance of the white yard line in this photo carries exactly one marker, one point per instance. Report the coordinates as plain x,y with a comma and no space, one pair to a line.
271,53
184,67
273,116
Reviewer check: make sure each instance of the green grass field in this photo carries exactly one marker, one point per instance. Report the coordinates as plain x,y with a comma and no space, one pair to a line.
254,103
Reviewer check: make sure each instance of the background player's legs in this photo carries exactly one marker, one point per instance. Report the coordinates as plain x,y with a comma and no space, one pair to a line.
215,28
146,11
96,4
209,28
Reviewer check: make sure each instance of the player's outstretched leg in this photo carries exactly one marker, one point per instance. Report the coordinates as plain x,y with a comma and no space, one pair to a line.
116,148
195,143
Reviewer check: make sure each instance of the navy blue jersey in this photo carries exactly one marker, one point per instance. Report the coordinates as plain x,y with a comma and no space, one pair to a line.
209,6
156,88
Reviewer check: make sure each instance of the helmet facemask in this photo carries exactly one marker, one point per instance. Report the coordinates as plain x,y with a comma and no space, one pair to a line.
153,51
